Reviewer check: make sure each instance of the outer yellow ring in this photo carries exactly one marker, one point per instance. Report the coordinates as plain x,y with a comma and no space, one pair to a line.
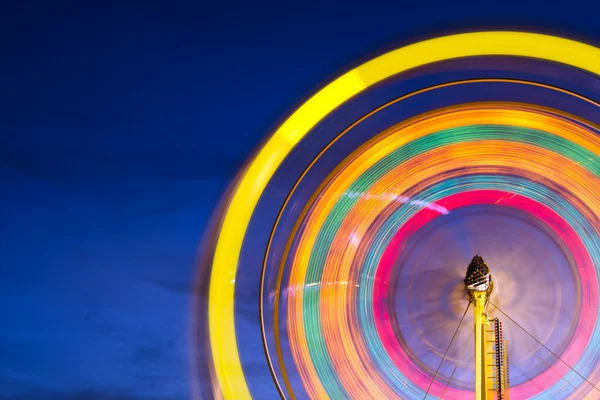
228,367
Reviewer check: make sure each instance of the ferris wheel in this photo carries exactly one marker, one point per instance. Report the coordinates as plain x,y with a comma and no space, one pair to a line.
427,225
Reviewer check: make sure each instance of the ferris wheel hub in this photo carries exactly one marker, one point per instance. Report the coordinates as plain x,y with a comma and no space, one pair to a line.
478,277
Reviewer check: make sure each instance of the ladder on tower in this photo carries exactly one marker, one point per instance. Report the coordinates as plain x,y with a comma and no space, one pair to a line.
497,362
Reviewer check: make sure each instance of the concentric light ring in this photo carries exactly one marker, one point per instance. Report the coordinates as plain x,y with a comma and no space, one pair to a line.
227,365
489,153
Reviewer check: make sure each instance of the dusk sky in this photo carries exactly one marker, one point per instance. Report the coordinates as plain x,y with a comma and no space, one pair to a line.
121,125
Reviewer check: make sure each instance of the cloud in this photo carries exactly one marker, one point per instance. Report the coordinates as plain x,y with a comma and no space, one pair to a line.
49,394
25,390
151,349
248,310
181,287
109,161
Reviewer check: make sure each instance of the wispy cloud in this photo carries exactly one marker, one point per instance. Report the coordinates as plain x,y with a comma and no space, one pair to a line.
83,394
181,287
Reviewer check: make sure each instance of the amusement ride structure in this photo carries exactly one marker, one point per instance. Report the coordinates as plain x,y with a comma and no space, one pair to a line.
335,266
491,367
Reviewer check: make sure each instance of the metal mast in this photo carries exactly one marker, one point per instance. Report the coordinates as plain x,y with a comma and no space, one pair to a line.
491,369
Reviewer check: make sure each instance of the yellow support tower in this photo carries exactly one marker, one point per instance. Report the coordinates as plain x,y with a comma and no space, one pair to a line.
484,350
478,285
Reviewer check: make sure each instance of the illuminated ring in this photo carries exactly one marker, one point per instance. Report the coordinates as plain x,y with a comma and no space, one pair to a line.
227,365
543,213
422,117
546,142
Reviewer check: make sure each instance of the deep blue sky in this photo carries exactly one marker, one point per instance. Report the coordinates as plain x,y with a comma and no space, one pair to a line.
121,124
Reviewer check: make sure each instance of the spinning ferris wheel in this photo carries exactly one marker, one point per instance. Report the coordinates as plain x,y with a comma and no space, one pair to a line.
342,264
